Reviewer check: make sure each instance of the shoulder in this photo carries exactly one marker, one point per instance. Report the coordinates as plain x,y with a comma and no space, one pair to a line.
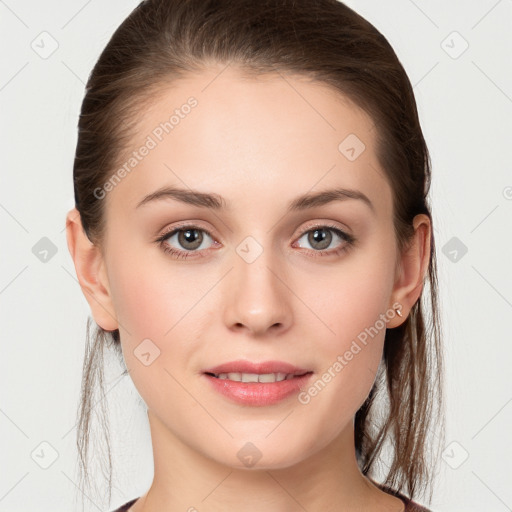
126,506
410,505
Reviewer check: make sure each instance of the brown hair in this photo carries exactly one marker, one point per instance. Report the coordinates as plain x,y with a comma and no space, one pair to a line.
326,41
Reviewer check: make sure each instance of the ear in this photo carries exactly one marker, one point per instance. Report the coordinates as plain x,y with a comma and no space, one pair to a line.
411,271
91,272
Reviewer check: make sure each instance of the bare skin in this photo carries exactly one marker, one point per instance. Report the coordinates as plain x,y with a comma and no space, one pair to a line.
258,143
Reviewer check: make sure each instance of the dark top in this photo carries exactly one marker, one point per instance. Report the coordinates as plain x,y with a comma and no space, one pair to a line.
410,506
126,506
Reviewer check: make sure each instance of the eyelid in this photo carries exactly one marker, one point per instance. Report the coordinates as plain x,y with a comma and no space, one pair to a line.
183,226
324,224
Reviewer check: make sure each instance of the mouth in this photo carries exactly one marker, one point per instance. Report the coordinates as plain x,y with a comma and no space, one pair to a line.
257,384
256,377
248,370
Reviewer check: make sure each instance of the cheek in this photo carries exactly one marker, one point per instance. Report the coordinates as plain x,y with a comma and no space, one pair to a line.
351,306
351,297
159,309
154,307
138,303
150,294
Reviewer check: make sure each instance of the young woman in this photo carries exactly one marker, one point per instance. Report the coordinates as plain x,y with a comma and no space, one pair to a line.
253,235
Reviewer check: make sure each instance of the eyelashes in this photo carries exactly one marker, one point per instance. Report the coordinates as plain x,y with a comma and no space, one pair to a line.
186,234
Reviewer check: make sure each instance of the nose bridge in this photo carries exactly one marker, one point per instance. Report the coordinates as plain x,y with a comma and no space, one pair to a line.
256,294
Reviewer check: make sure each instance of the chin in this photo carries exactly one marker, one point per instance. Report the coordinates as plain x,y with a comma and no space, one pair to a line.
261,455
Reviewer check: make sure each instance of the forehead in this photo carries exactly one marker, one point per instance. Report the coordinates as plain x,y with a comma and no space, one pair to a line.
279,135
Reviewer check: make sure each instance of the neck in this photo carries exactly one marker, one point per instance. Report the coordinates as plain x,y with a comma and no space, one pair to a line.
329,480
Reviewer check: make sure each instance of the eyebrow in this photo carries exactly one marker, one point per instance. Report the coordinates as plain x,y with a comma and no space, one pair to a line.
218,203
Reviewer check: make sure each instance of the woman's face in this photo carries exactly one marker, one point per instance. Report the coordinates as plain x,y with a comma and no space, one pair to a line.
257,274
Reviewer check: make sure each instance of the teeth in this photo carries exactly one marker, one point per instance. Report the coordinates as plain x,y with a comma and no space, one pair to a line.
249,377
255,377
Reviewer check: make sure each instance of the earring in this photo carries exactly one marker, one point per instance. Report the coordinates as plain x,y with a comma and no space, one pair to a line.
399,312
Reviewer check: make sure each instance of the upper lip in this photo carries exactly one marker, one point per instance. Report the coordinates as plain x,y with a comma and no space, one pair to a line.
243,366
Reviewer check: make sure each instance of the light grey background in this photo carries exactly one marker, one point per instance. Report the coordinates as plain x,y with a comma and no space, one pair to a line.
465,105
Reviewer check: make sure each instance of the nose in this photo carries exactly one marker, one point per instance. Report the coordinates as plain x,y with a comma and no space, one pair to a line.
257,298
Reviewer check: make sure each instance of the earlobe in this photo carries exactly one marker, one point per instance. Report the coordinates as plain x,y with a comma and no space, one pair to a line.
91,272
413,267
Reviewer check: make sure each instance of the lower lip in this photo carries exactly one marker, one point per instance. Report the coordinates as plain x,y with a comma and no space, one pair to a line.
259,393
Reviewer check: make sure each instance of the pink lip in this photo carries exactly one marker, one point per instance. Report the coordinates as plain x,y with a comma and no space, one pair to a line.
258,393
242,366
